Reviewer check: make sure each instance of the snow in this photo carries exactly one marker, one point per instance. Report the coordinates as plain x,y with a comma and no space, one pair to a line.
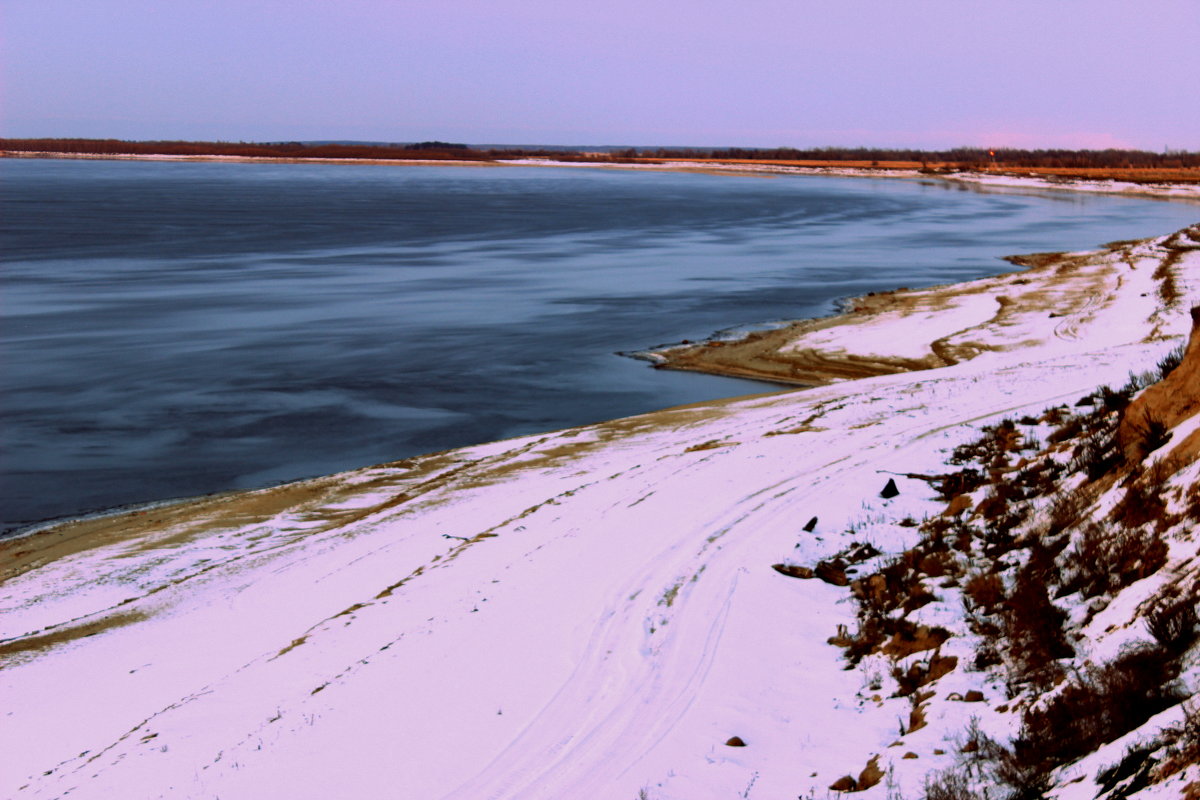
586,613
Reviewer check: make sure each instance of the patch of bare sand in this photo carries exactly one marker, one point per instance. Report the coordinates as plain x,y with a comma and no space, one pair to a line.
20,648
175,524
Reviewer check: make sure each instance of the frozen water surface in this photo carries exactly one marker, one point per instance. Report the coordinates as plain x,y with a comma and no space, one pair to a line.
178,328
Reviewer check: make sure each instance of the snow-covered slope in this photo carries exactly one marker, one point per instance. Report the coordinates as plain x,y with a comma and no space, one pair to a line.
582,614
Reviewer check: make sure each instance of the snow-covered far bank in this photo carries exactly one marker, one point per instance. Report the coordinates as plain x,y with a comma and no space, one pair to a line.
585,613
999,179
1174,191
1060,302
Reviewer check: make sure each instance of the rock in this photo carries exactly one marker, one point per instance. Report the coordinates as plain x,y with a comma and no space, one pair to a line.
735,741
811,525
830,572
861,552
793,571
973,696
844,784
890,489
957,505
870,776
910,754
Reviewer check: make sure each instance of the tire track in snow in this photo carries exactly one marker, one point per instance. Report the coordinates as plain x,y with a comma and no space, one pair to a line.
635,691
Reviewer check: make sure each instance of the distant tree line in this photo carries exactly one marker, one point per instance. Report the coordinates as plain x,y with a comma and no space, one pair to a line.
436,151
961,157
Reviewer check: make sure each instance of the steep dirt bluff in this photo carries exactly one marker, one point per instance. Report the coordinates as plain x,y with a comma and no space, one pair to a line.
1166,405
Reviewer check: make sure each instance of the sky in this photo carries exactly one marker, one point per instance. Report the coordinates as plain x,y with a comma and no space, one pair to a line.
754,73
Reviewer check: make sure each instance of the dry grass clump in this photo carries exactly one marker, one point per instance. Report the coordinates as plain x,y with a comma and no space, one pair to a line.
1033,628
1182,746
984,591
993,448
1172,622
1142,504
1167,288
1095,707
1108,557
1099,705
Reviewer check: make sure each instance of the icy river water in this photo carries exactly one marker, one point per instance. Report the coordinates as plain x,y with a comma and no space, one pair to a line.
172,329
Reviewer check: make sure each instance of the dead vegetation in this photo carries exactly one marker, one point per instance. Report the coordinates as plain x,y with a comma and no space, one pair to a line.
1026,537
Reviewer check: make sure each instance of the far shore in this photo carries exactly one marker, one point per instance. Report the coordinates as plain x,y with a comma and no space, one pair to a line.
1178,183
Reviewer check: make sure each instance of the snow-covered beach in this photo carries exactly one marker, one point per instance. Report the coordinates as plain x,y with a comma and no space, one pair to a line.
585,613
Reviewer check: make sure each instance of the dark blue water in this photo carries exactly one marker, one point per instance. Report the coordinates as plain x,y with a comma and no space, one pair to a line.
171,329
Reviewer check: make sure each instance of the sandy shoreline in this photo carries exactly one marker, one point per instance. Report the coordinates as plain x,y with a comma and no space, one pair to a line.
819,351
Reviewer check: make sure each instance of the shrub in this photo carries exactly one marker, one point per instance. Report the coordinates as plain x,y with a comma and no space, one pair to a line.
1039,478
1152,433
1034,628
1068,428
1115,399
1183,748
1172,623
985,590
1135,762
1098,706
1001,765
950,784
1171,360
1142,503
1097,454
1067,510
1109,558
997,440
962,482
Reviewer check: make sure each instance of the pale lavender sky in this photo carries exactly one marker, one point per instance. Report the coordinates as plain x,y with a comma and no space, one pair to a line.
923,73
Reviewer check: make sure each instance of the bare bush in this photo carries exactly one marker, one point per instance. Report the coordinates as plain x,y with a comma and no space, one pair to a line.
1097,453
1098,706
950,784
1142,503
1033,626
985,590
1172,623
1171,360
1110,557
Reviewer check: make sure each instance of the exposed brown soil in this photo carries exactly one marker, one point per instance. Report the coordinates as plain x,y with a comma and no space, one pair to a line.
14,649
1129,175
1169,402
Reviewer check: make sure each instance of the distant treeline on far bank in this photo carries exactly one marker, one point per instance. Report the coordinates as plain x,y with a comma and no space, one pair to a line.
960,157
